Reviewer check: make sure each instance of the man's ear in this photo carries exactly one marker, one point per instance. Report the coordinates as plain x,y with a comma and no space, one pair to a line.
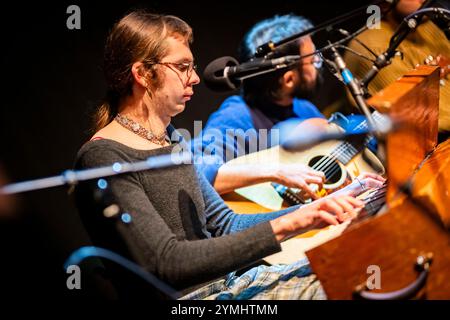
289,80
139,74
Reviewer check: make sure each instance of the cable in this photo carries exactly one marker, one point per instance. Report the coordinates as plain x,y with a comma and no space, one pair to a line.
83,253
346,33
339,42
355,52
270,46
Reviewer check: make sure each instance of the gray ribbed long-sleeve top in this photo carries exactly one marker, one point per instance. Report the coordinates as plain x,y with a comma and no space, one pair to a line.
180,229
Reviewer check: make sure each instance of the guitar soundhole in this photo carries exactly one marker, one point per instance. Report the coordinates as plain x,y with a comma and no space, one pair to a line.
328,166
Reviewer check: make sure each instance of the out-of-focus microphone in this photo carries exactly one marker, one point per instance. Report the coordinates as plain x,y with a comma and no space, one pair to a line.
225,73
310,138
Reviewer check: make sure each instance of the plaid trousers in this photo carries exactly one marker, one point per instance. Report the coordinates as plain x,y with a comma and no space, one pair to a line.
277,282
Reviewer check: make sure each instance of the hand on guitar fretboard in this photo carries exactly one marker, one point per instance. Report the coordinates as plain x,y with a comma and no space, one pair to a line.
296,196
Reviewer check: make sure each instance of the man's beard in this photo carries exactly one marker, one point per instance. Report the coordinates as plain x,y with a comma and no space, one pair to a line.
308,91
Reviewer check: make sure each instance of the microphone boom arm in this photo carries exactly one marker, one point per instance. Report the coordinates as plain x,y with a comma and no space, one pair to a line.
269,47
72,177
408,25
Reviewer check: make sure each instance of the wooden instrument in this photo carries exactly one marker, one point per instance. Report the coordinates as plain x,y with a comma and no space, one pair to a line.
409,241
409,244
295,248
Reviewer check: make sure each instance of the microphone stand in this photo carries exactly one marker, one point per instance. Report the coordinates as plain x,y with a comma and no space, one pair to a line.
270,46
358,89
408,25
72,177
84,253
357,92
353,85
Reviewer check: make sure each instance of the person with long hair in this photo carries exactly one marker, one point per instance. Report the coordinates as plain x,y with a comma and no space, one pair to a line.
177,226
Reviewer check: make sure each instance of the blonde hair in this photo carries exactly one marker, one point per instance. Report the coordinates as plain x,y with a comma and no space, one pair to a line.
138,36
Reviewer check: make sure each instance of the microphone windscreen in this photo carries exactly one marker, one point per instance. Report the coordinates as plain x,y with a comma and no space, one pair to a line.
214,75
309,139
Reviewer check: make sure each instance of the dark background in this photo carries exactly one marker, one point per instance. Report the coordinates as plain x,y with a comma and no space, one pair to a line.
52,82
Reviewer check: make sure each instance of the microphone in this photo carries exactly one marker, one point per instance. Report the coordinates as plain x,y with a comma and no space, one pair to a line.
409,24
352,84
225,73
311,138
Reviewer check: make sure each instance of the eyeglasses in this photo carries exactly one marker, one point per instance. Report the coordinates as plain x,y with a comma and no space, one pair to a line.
183,67
317,61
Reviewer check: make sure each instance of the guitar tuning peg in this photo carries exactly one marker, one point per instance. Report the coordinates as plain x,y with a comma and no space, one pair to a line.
398,53
429,59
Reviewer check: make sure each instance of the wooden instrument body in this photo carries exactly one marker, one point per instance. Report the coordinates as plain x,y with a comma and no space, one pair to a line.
418,224
417,221
391,242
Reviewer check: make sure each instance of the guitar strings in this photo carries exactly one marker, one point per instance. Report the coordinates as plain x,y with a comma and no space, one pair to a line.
362,125
329,163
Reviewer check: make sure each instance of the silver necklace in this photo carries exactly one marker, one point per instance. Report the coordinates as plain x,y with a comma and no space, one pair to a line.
141,131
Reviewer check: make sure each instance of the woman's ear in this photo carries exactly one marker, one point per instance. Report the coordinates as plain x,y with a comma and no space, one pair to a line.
139,74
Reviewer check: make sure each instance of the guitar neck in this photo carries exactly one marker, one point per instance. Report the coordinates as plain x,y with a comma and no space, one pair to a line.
347,150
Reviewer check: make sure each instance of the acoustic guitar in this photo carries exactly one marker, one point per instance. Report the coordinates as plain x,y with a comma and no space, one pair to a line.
340,161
